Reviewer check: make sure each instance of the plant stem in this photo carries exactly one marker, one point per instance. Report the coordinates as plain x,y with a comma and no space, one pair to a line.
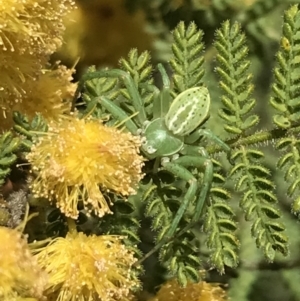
71,225
256,138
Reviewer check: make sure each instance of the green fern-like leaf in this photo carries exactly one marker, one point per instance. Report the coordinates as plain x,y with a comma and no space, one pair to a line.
235,79
107,87
140,69
182,259
286,95
163,199
220,225
28,130
259,203
187,61
123,222
286,101
180,255
8,145
251,177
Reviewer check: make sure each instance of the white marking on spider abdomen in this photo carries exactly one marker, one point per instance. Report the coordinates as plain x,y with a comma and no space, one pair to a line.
188,110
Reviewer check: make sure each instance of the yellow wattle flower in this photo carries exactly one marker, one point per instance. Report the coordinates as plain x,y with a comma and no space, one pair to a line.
20,275
49,94
33,24
30,31
82,268
76,157
202,291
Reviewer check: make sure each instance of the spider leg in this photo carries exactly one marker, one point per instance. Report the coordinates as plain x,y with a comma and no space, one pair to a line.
118,114
205,164
157,108
192,138
129,83
164,99
179,168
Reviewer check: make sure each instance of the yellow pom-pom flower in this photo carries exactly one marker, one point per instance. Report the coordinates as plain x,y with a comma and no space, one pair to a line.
77,156
33,24
49,95
202,291
20,274
85,268
30,31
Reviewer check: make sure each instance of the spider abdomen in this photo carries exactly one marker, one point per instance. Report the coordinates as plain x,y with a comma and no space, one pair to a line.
188,110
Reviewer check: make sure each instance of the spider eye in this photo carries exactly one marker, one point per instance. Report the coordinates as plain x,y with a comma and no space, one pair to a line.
150,149
144,140
139,132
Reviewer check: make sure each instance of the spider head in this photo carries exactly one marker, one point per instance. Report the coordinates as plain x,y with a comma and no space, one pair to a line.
159,141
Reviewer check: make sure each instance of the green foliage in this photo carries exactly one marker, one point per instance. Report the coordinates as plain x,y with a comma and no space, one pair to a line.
243,215
220,225
187,61
235,80
140,70
123,222
9,145
103,86
286,101
252,180
28,130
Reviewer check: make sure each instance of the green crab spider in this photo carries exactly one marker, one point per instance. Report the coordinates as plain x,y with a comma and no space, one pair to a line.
169,137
